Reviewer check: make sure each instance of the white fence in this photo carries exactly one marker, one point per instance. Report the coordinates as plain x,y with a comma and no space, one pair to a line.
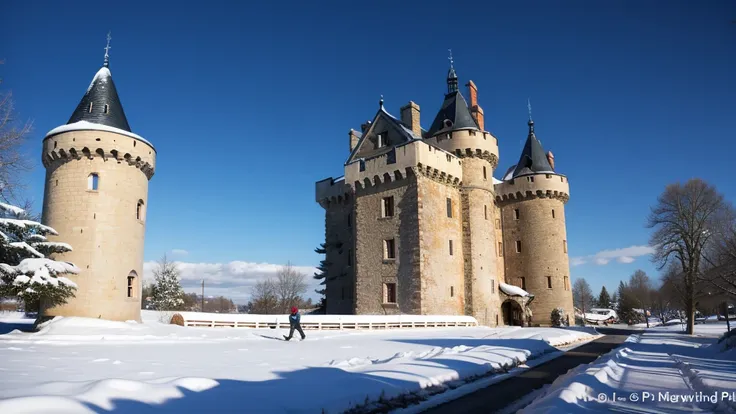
322,322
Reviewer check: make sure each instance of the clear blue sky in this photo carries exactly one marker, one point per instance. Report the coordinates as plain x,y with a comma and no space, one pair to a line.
248,105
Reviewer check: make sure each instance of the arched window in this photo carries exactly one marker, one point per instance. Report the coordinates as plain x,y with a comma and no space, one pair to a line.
139,210
132,284
93,182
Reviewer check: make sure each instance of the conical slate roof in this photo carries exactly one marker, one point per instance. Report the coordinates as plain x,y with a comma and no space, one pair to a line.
533,158
453,115
101,104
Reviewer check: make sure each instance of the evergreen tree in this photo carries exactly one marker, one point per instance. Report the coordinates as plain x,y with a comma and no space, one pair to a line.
614,300
626,304
321,275
166,292
604,300
26,269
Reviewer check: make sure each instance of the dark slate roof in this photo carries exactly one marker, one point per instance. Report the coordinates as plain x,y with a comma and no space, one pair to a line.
533,158
101,92
455,109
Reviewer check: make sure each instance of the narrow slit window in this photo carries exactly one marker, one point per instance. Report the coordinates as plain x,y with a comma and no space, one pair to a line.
485,177
564,246
523,282
493,286
518,246
131,285
500,249
90,107
107,108
450,247
449,207
93,182
549,282
553,213
517,214
139,210
485,212
452,291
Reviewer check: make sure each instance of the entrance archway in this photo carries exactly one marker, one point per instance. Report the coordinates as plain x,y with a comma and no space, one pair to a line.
512,313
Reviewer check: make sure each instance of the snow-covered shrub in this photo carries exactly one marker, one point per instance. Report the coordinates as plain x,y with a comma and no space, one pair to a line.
558,317
26,269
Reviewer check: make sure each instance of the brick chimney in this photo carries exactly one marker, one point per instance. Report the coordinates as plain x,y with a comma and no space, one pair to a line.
410,117
475,110
551,159
354,138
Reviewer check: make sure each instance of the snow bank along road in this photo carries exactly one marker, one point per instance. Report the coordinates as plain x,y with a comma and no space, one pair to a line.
79,365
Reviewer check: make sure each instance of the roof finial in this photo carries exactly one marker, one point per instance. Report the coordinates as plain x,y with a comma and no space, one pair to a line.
452,62
531,121
107,51
451,75
380,103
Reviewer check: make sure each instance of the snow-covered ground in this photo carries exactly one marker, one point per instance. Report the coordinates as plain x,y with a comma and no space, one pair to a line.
79,365
661,370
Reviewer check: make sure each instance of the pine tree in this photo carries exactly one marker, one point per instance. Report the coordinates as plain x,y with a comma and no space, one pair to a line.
604,300
322,276
626,303
26,269
166,292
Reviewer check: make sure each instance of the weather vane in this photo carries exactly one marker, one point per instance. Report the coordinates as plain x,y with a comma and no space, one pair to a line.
107,49
529,106
451,60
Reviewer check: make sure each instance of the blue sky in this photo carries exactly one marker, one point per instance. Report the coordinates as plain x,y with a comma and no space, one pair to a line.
248,105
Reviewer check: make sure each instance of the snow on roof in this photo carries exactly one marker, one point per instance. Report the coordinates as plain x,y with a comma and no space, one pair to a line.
512,290
102,73
89,126
496,181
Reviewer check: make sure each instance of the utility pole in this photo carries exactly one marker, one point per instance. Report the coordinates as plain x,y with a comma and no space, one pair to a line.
202,295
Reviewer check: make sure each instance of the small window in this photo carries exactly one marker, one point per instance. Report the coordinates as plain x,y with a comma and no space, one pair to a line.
523,282
516,214
450,247
139,213
381,140
564,246
553,213
107,108
350,220
390,293
452,291
485,177
500,249
387,207
498,224
485,212
93,182
566,282
90,107
518,246
493,286
389,249
131,285
449,207
549,282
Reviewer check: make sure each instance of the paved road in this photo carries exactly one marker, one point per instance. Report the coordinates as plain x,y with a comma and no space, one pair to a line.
497,396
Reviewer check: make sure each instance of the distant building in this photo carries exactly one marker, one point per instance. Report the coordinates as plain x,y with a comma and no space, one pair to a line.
418,224
96,193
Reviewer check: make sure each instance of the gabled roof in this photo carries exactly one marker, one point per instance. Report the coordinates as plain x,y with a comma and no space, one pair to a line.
404,131
455,109
101,104
533,158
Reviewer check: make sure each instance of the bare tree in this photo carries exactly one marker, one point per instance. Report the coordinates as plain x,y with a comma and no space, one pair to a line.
582,296
264,299
641,291
683,220
12,161
277,294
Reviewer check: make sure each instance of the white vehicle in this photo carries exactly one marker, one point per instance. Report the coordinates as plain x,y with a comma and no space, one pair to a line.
599,315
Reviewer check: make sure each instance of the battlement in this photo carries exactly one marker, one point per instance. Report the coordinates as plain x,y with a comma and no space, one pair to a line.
332,190
416,157
533,186
73,145
469,143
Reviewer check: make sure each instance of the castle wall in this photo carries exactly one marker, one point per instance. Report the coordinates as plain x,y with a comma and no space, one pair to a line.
543,252
442,279
101,226
373,271
500,263
340,283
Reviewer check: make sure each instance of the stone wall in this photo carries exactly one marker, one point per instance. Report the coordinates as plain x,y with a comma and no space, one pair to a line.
442,281
339,230
543,253
102,225
372,270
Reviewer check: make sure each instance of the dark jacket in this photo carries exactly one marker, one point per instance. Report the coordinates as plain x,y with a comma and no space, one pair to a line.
294,318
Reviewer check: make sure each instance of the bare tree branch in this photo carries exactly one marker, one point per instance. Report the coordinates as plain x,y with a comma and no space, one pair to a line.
13,163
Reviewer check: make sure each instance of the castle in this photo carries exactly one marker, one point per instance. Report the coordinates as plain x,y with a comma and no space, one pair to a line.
95,196
418,224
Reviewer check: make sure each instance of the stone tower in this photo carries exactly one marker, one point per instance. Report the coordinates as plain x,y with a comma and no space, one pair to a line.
96,195
532,201
459,129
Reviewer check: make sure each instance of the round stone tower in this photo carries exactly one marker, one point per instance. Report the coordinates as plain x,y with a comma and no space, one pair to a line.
459,128
96,196
532,199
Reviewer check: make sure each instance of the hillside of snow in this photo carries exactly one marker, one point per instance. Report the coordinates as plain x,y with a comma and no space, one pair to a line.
85,365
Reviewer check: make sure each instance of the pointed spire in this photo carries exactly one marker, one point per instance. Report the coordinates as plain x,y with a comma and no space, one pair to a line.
451,75
380,103
531,121
106,63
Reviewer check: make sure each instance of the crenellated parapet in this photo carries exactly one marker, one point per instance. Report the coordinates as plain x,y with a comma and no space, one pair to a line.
109,146
469,143
331,191
414,158
533,186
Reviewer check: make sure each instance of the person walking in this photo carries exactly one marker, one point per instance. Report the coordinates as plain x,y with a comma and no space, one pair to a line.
295,323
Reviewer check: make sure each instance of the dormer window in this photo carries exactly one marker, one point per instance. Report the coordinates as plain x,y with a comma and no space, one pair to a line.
107,108
90,107
381,140
447,123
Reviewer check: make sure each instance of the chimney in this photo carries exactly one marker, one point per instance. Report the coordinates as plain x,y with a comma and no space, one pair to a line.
354,138
475,110
410,117
365,126
551,159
